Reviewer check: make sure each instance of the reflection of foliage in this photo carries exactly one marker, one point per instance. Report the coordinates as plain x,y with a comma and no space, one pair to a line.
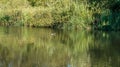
32,49
105,51
25,47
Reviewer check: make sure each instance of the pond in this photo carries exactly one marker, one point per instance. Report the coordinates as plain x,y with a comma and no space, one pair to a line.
39,47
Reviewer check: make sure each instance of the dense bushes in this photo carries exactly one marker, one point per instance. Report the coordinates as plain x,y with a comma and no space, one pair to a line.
36,17
107,14
53,13
60,13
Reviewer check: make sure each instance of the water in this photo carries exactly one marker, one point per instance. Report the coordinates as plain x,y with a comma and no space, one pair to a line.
35,47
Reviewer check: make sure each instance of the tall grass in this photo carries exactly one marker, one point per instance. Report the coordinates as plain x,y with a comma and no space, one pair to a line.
50,13
62,14
27,16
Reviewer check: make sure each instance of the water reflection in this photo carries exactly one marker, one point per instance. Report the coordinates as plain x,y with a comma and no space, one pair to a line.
34,47
105,52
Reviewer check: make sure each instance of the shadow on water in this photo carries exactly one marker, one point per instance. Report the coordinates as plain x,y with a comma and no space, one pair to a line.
105,52
34,47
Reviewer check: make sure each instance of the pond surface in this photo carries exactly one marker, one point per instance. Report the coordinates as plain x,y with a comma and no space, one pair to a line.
35,47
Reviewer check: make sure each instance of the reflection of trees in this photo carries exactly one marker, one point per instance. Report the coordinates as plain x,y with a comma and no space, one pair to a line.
26,47
31,56
4,52
37,47
105,51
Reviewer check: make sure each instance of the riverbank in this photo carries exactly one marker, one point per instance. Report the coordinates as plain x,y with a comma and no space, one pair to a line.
26,17
58,14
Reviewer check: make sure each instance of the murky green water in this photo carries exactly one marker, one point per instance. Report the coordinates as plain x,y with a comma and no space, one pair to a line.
34,47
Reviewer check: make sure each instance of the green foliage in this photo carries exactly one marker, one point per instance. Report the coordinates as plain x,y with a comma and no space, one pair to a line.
70,14
38,18
34,2
11,18
54,13
105,14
